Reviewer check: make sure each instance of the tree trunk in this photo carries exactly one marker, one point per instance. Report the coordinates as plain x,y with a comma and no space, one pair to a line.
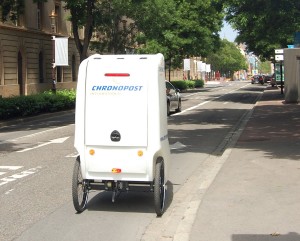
83,45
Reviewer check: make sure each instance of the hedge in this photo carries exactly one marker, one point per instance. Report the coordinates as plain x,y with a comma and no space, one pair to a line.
188,84
22,106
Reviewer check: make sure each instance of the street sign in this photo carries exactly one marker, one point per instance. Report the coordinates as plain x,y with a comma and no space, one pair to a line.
279,57
278,51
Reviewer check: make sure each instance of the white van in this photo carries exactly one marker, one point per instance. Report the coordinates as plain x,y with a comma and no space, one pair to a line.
121,130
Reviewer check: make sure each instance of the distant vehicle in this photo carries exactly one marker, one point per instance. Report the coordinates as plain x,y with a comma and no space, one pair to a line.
259,79
268,78
173,98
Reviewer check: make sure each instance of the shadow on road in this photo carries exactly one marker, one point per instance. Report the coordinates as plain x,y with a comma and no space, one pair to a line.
131,202
266,237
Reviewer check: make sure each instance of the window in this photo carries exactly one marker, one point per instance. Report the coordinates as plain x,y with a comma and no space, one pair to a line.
39,16
0,68
73,68
58,73
41,67
57,13
20,73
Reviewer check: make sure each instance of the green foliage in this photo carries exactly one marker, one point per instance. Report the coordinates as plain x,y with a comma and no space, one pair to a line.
116,32
265,67
187,84
11,9
199,83
22,106
264,25
177,29
227,59
83,15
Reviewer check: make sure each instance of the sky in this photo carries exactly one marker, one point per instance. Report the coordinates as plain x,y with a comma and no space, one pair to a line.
227,32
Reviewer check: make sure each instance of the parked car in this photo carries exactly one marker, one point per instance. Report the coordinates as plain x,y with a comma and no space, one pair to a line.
268,78
173,98
257,79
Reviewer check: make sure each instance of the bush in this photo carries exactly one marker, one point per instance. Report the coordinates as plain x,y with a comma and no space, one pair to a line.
180,84
188,84
21,106
199,83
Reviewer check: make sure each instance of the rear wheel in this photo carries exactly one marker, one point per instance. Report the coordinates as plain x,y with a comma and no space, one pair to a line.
168,108
179,106
79,188
159,188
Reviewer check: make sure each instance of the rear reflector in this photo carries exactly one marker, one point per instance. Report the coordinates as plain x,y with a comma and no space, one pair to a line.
117,75
116,170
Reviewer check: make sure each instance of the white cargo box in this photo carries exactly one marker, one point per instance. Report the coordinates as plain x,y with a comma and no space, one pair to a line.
121,117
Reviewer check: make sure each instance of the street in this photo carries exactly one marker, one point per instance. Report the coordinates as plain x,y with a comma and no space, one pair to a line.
37,158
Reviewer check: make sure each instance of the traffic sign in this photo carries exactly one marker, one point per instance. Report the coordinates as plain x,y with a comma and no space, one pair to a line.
279,57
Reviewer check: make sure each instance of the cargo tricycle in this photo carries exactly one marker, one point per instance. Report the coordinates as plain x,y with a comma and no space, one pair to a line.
121,133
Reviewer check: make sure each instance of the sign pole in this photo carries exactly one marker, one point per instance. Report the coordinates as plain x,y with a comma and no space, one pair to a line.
279,57
281,79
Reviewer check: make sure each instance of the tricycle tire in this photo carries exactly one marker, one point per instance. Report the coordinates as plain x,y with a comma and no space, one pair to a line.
159,188
79,188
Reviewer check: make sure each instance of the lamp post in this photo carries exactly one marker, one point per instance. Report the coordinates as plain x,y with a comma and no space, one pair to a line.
53,17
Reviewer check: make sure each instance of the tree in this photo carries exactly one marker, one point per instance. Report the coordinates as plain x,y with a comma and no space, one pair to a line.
11,9
83,13
116,33
176,28
228,59
264,24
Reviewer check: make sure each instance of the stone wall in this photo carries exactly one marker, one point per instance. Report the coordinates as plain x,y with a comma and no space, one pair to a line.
26,62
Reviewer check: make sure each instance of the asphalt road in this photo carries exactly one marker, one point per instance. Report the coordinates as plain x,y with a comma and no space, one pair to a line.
37,158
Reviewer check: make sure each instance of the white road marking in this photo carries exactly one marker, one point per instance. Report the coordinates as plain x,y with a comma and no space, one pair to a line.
72,155
13,168
10,168
55,141
205,102
20,175
9,191
193,107
38,133
177,145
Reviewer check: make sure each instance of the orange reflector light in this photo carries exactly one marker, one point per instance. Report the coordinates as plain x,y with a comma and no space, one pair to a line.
116,170
140,153
92,152
117,75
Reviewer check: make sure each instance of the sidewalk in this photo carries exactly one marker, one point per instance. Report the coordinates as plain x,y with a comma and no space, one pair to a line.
256,195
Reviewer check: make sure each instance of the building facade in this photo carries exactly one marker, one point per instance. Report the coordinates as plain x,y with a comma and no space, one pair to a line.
26,50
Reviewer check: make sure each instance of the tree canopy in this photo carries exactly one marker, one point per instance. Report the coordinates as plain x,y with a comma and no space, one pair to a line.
178,29
264,24
11,9
228,59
